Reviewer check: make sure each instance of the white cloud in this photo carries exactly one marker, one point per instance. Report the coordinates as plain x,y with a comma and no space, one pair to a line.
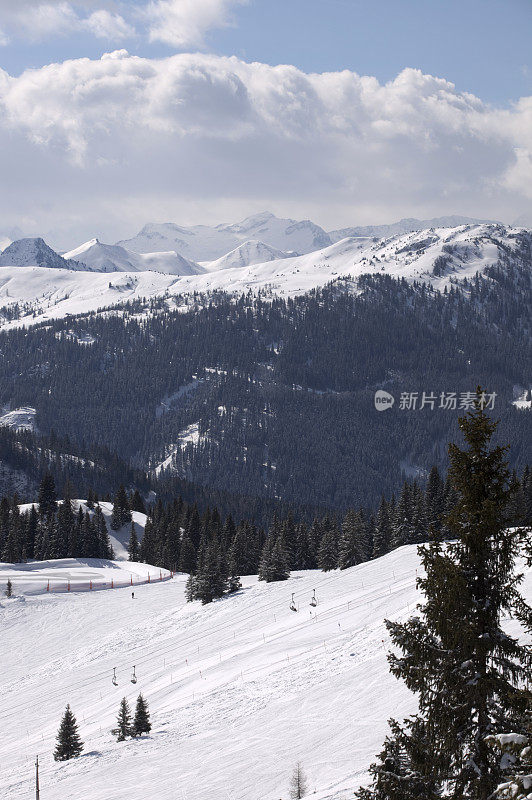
179,23
105,25
193,134
37,20
183,23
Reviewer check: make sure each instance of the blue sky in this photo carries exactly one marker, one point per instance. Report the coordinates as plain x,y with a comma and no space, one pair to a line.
114,113
483,46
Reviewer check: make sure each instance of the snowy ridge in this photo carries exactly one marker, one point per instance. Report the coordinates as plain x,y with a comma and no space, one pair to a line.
437,256
405,226
205,243
112,258
242,675
245,255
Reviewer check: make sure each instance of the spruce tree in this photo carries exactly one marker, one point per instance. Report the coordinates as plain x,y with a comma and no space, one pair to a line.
187,556
469,674
141,723
383,531
47,495
328,549
133,546
349,549
69,744
9,588
124,726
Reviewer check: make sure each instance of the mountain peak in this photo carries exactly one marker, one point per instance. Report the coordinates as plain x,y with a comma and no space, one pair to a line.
32,252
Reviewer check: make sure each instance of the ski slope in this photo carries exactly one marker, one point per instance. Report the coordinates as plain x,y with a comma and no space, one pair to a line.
238,690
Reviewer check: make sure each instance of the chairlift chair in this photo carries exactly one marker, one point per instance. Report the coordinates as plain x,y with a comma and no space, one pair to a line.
292,604
314,599
133,677
114,680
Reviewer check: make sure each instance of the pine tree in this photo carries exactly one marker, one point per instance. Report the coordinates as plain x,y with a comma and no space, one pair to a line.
121,511
133,546
434,503
468,673
9,588
137,503
141,723
66,522
69,744
274,561
328,549
403,771
124,725
234,583
187,556
298,783
383,532
403,523
105,547
349,550
47,495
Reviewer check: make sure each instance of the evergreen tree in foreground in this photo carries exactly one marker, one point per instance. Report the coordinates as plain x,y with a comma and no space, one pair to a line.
69,745
467,672
141,723
9,588
124,726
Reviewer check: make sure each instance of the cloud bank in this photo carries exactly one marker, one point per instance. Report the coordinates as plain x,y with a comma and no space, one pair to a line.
178,23
100,146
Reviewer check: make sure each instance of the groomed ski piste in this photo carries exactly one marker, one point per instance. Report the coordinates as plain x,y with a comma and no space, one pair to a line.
239,690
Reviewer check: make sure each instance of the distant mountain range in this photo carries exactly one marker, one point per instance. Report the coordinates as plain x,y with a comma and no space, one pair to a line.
205,243
176,250
36,283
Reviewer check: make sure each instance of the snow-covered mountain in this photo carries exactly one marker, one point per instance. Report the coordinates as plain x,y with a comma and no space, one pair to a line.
33,252
205,243
437,256
406,225
99,257
246,254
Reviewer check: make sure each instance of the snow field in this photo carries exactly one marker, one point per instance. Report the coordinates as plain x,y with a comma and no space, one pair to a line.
239,690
